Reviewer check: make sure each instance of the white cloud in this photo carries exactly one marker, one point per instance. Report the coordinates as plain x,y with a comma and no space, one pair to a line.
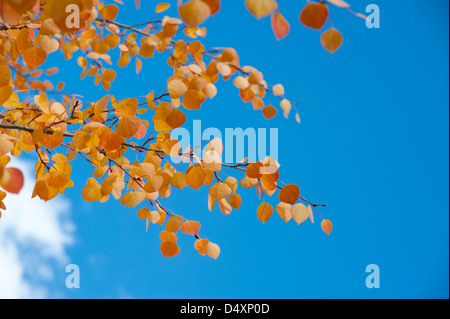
34,237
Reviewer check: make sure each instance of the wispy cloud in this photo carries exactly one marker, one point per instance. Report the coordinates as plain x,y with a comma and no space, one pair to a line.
34,237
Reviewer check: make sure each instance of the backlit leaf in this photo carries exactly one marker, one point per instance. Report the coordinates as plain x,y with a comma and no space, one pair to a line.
327,226
331,40
190,227
314,15
280,25
261,8
264,212
169,249
289,194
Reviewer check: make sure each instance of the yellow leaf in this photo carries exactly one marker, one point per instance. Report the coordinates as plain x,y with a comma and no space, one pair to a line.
5,75
128,126
220,191
200,246
48,44
213,250
194,12
284,210
176,89
174,223
132,199
178,180
331,40
168,236
235,201
214,5
192,99
196,177
109,12
264,212
299,213
261,8
34,57
92,191
161,7
143,213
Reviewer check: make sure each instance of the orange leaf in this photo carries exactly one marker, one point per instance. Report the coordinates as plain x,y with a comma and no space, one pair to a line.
109,12
192,100
326,226
314,15
169,249
190,227
264,212
235,201
261,8
331,40
289,194
132,199
214,5
269,112
5,75
200,246
168,236
128,126
220,191
194,12
161,7
34,56
196,177
12,180
280,25
174,223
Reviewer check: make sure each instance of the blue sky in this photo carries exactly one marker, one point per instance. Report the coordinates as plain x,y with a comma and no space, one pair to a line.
373,145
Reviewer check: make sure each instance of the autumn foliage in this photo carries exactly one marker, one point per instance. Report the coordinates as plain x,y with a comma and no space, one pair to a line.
38,117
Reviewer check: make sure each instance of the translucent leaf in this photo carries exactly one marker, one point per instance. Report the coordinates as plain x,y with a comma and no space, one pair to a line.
327,226
314,15
220,190
284,210
169,249
176,88
161,7
194,12
331,40
196,177
109,12
289,194
34,57
299,213
261,8
235,201
132,199
280,25
213,250
190,227
174,223
11,180
264,212
339,3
